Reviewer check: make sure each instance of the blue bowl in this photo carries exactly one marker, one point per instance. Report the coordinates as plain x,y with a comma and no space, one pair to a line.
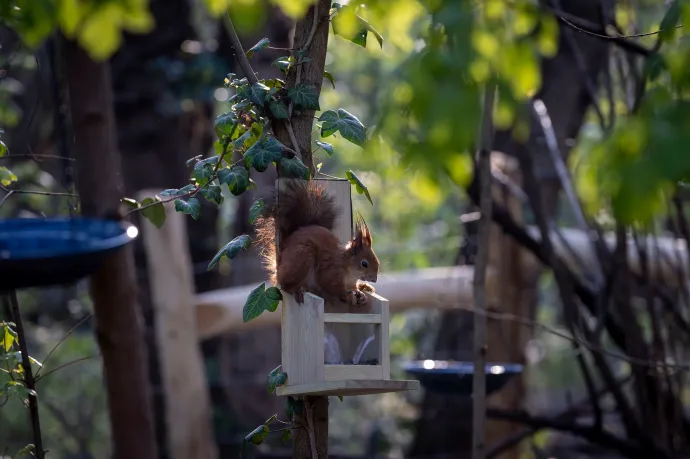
453,377
38,252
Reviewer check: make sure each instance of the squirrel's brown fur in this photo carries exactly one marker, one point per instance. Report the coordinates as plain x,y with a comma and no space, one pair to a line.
311,257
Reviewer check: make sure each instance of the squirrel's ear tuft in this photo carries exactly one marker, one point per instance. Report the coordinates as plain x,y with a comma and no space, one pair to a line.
362,234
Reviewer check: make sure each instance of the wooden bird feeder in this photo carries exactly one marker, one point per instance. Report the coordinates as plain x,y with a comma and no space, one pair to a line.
336,349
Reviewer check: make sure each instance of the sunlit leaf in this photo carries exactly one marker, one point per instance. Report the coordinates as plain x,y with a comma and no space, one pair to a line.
7,177
327,147
153,211
256,210
344,122
359,186
262,44
263,153
231,249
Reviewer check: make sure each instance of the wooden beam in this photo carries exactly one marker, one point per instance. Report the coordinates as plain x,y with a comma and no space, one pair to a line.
220,311
187,405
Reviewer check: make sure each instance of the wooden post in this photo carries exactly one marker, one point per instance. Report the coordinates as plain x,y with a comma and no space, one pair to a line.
187,406
506,340
118,320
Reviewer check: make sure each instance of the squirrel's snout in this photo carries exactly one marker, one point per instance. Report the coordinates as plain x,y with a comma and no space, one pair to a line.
370,278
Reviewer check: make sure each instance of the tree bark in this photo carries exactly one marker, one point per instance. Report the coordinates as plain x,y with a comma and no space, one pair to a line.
113,289
310,73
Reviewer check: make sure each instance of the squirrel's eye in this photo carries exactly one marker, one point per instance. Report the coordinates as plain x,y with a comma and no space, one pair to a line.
365,264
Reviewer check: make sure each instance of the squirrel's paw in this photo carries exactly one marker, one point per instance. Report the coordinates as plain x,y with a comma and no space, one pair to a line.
364,287
359,298
299,295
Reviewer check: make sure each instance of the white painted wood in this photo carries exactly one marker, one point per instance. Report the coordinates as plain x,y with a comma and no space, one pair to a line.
187,405
382,334
302,346
349,387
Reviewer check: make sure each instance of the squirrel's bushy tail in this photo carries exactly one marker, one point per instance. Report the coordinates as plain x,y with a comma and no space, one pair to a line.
299,203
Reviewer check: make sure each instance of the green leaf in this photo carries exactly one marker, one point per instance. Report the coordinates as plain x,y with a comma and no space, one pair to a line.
191,207
231,249
263,153
329,77
327,147
279,109
361,29
3,149
258,435
259,300
304,96
359,186
293,407
263,43
344,122
7,177
131,203
28,450
258,94
212,193
294,167
203,170
340,397
276,378
8,338
667,28
282,63
155,213
256,210
237,179
287,435
224,125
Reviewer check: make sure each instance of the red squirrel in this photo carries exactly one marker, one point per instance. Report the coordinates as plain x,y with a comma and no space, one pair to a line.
311,258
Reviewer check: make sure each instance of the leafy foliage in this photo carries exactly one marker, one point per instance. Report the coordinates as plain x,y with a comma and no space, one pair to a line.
277,377
231,249
345,123
259,300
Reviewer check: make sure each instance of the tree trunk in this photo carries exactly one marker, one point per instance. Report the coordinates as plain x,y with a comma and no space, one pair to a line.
113,289
156,142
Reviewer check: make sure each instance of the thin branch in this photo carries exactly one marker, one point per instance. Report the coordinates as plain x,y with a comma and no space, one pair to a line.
34,155
628,447
28,377
65,365
310,428
236,46
67,335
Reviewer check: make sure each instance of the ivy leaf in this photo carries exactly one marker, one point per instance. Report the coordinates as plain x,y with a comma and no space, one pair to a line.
231,249
203,170
276,378
8,338
155,213
237,179
294,167
282,63
344,122
212,193
329,77
258,93
3,149
242,140
327,147
667,28
131,203
28,450
259,300
359,186
263,153
258,435
279,109
292,407
256,210
357,34
286,436
191,207
263,43
304,96
340,397
7,177
224,124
